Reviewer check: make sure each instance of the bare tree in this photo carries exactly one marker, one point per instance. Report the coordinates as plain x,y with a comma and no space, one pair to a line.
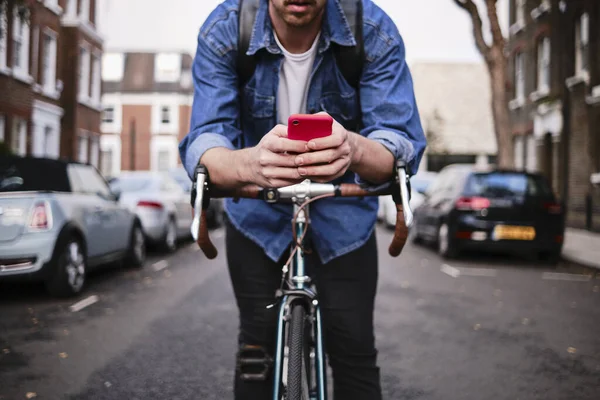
497,64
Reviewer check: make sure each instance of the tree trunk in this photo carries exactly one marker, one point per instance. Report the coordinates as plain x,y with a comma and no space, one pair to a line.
500,112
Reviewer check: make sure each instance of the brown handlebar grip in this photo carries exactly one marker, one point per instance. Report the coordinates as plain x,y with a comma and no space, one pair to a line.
400,233
207,246
350,189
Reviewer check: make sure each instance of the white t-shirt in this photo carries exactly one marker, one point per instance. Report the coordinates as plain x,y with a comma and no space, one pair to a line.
293,81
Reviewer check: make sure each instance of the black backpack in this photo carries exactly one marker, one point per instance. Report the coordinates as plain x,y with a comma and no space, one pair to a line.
349,59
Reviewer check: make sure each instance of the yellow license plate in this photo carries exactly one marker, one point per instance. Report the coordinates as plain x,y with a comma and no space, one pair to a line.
507,232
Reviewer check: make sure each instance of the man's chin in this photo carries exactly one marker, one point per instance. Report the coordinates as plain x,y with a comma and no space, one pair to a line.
299,21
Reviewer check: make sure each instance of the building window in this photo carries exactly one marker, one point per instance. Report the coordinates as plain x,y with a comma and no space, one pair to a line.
71,8
520,12
165,115
167,67
543,66
2,128
19,137
3,37
96,78
49,61
112,67
163,160
531,154
20,43
84,73
83,148
519,152
582,44
94,149
84,11
106,162
108,115
520,76
47,140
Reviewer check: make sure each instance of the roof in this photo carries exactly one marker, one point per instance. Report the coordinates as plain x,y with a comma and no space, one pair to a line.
454,101
135,72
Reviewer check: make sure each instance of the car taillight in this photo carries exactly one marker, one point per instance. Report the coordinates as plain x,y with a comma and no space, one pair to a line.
41,217
472,203
149,204
553,208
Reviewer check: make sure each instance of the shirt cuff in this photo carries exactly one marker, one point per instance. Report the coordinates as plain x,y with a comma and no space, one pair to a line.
200,145
401,148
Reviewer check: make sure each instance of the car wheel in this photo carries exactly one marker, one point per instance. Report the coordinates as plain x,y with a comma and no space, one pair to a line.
70,269
137,247
446,246
170,241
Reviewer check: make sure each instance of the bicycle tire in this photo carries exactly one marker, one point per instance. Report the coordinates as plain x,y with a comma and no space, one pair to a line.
297,379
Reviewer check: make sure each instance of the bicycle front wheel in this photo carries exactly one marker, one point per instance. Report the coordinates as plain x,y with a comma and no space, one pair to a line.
298,361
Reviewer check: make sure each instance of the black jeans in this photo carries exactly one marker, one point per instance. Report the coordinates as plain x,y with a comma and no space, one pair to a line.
346,288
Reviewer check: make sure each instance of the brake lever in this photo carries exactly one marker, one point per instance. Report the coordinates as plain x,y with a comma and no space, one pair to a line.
404,195
198,201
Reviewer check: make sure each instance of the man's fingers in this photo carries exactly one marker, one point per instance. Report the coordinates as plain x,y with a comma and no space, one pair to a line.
324,170
337,137
281,145
319,157
281,173
269,159
279,130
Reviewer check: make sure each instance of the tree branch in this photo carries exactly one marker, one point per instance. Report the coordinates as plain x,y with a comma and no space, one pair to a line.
492,13
473,11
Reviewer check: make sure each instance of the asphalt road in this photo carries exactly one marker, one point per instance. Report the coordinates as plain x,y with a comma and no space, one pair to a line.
483,327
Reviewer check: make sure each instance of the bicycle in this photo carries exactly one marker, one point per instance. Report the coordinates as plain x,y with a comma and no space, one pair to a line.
299,327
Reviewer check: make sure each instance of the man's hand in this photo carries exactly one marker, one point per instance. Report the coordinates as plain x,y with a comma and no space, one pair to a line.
269,163
328,158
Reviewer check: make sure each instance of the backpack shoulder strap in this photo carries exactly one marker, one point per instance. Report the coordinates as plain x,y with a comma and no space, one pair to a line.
350,59
246,17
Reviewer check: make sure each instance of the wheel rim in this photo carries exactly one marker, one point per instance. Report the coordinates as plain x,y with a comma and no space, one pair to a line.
443,238
75,266
139,247
171,235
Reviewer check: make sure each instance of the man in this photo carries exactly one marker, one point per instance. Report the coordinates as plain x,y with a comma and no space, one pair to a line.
239,134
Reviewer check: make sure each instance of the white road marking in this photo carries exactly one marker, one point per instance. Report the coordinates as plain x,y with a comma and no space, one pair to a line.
448,270
160,265
80,305
479,272
555,276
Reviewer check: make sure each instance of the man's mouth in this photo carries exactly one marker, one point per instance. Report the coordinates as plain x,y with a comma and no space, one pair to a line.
297,6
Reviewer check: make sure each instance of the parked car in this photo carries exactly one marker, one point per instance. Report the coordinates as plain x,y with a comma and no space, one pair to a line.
494,209
418,184
215,211
58,220
160,203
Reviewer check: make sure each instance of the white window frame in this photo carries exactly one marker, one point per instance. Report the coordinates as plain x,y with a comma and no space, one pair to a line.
116,126
519,152
582,45
3,41
158,126
530,146
84,10
165,111
167,67
94,150
82,147
543,65
49,74
19,136
96,77
71,10
112,143
519,81
113,67
84,72
111,114
2,127
20,29
163,143
520,11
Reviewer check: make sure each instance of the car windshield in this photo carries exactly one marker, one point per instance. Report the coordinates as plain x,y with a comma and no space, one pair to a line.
31,174
133,183
506,185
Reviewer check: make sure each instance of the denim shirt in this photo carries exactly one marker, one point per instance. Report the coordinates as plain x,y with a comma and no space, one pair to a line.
223,115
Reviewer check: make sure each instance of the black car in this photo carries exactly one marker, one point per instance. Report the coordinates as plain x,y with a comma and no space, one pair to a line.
469,208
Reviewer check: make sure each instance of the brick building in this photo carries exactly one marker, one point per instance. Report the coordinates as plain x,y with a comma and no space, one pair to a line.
554,49
147,100
50,56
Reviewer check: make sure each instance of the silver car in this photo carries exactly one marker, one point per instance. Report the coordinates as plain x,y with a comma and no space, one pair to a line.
58,220
160,203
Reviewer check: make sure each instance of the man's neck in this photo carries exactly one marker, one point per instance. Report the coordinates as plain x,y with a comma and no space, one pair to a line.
296,40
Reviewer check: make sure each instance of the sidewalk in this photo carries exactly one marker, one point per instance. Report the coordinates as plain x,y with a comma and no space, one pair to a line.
582,247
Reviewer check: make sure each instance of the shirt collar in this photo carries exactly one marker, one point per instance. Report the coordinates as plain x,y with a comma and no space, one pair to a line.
335,29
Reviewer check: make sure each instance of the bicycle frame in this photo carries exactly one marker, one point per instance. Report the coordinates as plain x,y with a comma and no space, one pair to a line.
298,283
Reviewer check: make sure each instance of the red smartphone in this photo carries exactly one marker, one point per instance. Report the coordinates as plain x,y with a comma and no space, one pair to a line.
308,126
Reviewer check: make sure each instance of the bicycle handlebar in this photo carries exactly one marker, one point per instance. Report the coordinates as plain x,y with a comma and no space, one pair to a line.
299,192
